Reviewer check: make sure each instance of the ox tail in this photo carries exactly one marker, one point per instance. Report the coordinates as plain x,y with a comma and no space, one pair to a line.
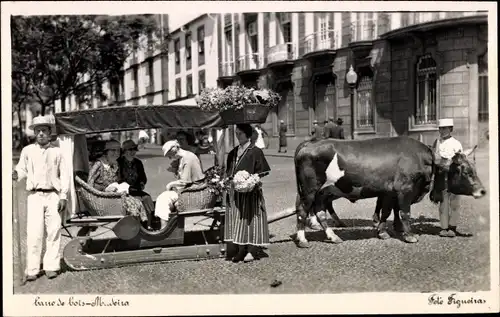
300,190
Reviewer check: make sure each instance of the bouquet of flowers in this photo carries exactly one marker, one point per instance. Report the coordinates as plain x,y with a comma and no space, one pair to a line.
215,182
235,97
245,182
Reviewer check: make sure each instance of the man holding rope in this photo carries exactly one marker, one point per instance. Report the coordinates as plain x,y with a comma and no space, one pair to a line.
47,184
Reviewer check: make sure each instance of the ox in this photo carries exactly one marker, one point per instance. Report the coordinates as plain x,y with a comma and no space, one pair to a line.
399,171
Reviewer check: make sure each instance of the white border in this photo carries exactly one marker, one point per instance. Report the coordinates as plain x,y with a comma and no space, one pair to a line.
368,303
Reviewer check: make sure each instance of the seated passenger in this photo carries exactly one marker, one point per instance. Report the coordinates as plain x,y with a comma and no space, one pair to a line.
131,171
188,171
104,176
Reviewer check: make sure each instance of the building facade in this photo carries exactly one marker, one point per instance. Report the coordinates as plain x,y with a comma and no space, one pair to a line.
193,59
412,69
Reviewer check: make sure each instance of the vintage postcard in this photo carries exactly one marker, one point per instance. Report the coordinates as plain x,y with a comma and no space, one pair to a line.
244,158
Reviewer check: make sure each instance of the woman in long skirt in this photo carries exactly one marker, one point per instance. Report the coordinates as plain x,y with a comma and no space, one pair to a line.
246,217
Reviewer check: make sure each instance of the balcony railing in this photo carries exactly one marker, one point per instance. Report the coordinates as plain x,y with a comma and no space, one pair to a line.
363,32
251,61
282,52
319,41
228,69
412,18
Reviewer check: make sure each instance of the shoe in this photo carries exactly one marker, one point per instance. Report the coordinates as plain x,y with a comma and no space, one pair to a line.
240,256
458,233
31,278
248,258
451,234
443,233
51,274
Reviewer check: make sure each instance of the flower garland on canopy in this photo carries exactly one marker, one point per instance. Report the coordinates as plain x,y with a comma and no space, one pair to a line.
235,97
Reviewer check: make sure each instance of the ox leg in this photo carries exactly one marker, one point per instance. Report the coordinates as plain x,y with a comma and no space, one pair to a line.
320,205
405,205
385,208
301,224
335,217
376,213
397,225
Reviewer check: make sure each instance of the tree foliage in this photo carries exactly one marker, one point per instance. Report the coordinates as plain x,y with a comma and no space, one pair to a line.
54,57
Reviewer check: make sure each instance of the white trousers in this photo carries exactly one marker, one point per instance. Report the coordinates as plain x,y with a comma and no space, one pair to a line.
165,203
43,214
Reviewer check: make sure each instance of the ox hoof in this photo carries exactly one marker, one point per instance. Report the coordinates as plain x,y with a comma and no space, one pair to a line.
334,241
376,224
303,244
383,235
410,238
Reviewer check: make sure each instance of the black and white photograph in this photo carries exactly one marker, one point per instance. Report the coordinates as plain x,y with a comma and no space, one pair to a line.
243,158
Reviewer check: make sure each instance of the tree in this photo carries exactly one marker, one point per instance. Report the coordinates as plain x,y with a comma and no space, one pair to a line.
58,56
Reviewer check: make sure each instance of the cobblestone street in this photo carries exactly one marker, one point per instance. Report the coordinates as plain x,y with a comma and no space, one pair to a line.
362,263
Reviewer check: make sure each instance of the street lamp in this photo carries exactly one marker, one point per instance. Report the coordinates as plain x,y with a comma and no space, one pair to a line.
351,78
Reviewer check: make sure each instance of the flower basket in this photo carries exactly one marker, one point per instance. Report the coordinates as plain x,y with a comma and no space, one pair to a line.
238,104
252,113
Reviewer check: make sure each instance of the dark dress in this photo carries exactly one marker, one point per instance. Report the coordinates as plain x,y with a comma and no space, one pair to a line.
133,174
283,131
246,216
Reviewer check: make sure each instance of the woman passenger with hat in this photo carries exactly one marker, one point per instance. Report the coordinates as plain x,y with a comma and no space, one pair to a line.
131,171
105,172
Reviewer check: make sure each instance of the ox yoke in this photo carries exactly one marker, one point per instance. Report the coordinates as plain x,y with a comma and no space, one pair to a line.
361,169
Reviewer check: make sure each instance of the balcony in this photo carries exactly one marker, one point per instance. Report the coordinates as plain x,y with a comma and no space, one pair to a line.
324,42
419,22
249,64
282,55
362,37
227,69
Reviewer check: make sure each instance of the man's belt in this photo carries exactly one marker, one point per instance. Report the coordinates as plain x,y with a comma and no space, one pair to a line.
43,190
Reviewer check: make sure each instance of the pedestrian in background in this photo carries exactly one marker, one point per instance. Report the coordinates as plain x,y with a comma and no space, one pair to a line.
143,139
445,147
315,131
47,184
282,136
337,131
328,129
259,142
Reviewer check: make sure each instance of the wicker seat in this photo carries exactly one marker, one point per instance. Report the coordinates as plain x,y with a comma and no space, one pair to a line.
198,196
99,203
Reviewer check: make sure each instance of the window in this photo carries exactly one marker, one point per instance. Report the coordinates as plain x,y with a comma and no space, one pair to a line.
177,50
253,36
408,18
483,88
201,45
229,45
178,89
201,81
201,40
364,103
325,33
149,78
189,85
286,26
426,91
188,45
135,80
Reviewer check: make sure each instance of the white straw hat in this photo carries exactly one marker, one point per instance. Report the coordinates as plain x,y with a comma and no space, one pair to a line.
445,123
169,145
47,120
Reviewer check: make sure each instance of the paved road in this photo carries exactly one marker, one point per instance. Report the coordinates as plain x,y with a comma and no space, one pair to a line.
362,263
